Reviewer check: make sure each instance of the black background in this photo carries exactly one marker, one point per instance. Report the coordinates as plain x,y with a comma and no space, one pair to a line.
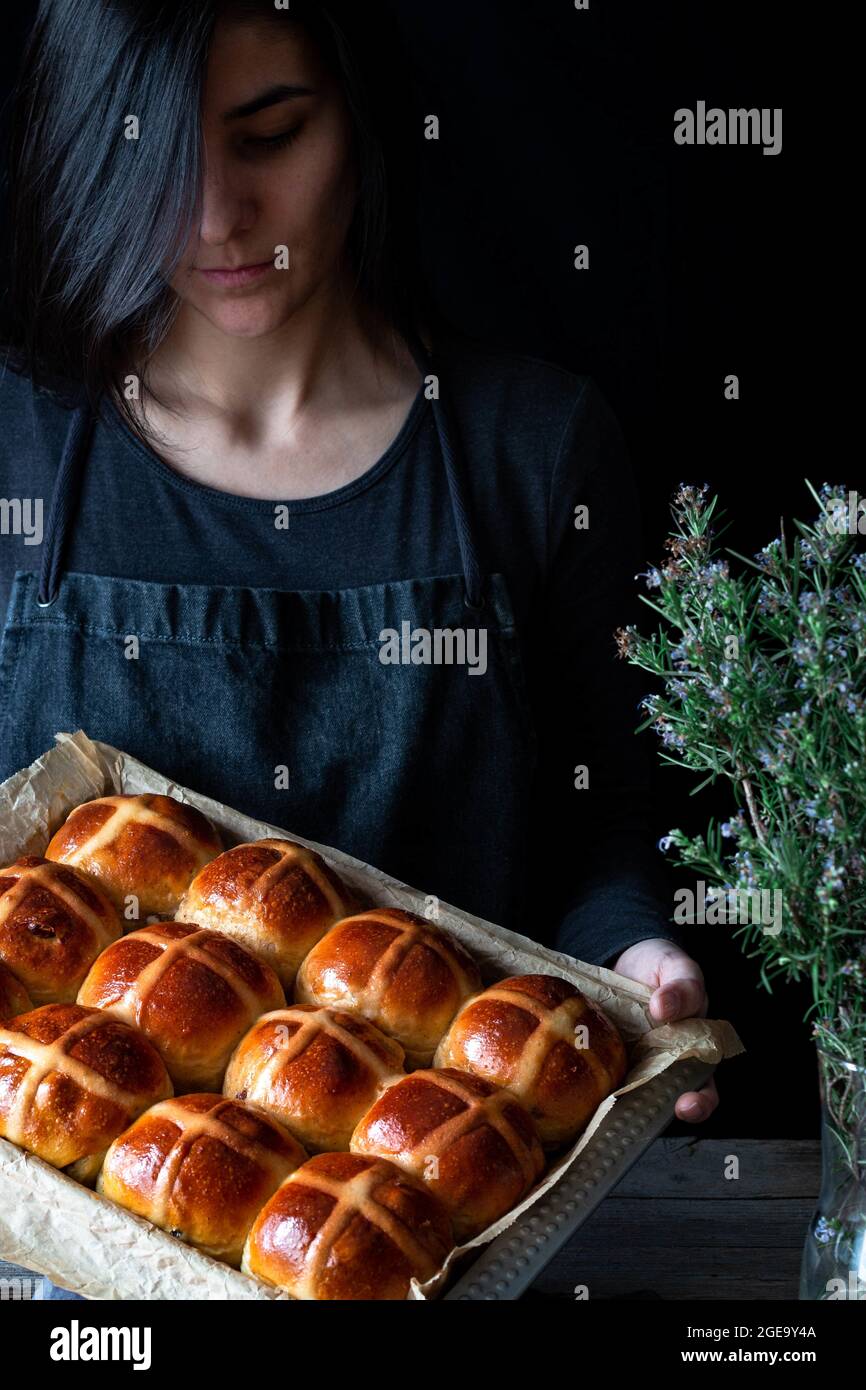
557,129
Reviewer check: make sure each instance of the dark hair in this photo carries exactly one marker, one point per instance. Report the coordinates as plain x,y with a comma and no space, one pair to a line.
98,223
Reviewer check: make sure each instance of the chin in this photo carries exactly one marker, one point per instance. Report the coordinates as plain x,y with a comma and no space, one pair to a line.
248,320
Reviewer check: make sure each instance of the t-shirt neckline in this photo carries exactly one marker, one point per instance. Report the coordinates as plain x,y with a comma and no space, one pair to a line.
115,422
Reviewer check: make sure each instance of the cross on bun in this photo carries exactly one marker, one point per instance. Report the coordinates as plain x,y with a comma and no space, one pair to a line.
348,1227
200,1167
71,1080
193,992
544,1040
398,970
473,1142
147,846
315,1070
275,897
53,924
14,998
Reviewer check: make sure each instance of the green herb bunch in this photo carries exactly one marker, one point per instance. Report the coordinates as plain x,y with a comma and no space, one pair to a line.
763,673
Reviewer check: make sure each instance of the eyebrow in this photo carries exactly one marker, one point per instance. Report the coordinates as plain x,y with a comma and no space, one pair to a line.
271,97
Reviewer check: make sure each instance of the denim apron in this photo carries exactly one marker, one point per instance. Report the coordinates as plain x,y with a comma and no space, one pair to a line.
278,703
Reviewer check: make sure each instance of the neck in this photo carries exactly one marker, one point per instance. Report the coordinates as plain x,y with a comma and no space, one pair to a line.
324,356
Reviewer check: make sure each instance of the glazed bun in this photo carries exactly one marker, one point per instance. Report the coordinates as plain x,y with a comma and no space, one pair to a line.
544,1040
149,847
53,925
194,993
315,1070
14,998
275,897
397,970
71,1080
347,1227
200,1167
472,1142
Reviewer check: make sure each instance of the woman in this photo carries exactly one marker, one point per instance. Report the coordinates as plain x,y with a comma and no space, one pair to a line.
305,549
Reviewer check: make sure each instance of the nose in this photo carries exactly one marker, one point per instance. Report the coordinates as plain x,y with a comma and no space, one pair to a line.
227,205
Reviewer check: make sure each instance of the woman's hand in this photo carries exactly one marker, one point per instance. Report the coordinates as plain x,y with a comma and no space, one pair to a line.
678,988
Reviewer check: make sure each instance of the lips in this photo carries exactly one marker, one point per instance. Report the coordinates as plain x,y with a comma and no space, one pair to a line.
243,275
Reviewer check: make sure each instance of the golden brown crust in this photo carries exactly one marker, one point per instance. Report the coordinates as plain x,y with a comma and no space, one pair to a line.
14,998
193,992
547,1042
72,1079
275,897
473,1142
53,924
200,1167
315,1070
348,1227
149,847
398,970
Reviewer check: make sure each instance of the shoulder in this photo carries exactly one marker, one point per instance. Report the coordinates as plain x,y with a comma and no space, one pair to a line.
542,416
526,386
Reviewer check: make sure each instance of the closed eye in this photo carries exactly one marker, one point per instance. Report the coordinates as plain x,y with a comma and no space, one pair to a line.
273,142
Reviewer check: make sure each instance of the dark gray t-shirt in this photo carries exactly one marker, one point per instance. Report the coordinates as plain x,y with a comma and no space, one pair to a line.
539,442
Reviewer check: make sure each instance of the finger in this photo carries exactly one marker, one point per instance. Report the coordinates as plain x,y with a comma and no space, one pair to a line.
696,1106
684,996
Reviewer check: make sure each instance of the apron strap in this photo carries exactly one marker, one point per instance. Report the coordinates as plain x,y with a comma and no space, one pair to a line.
66,491
455,472
63,503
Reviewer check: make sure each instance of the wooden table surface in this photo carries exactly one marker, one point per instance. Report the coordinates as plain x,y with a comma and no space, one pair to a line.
681,1226
677,1227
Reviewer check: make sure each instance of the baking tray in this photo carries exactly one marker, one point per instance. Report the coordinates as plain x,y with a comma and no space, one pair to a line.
520,1249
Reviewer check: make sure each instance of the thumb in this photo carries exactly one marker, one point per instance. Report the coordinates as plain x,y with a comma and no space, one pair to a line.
681,991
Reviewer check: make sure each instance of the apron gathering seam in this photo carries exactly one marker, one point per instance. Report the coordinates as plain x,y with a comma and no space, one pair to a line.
86,630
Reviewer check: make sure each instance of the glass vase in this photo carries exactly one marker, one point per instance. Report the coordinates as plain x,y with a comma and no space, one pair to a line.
834,1257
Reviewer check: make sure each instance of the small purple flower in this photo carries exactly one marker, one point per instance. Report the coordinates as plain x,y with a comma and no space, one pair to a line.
672,739
714,573
732,829
766,559
803,652
653,578
823,1231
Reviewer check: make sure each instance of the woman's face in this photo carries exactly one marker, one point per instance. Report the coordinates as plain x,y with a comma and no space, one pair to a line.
279,183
